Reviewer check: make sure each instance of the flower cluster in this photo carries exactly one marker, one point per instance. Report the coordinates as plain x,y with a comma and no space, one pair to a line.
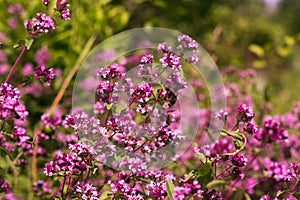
186,190
272,131
41,187
45,74
64,163
42,23
245,114
10,105
86,191
52,121
170,60
19,134
279,171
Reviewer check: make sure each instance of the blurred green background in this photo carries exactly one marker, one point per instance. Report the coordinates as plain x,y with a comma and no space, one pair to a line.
261,34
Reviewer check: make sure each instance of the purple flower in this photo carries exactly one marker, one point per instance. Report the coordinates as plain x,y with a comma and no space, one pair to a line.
86,191
163,47
222,115
65,14
211,194
239,160
272,131
147,59
19,134
64,162
45,74
40,188
46,2
15,9
170,60
52,121
61,4
251,128
39,24
4,185
10,105
280,171
42,56
187,189
245,114
222,146
187,42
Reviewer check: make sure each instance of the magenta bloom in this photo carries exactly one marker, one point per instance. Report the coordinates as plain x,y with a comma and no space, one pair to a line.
39,24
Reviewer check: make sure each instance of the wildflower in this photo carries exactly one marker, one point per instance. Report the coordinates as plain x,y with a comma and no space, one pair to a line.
170,60
39,24
245,114
45,74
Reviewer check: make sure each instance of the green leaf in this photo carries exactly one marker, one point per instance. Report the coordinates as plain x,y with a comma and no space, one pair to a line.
105,195
19,44
216,182
190,175
4,151
170,189
297,195
108,106
247,197
201,157
119,108
205,174
28,43
57,198
235,135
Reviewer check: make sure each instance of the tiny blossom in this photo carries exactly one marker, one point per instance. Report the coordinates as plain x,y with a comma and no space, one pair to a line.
267,197
19,134
15,9
272,131
187,189
211,194
40,187
162,47
99,107
193,58
141,93
45,74
251,128
39,24
239,160
222,146
245,113
147,59
4,185
222,115
10,104
296,168
13,22
42,56
61,4
52,121
170,60
186,42
65,14
111,72
46,2
280,171
64,162
86,191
